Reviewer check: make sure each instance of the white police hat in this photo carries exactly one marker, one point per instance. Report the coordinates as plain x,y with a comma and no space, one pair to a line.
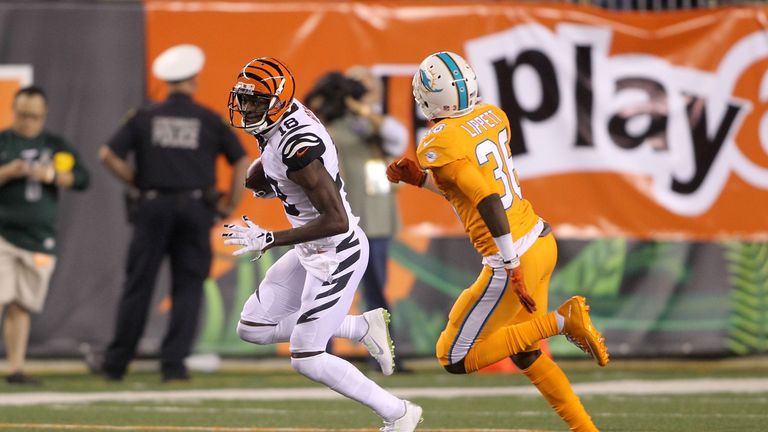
178,63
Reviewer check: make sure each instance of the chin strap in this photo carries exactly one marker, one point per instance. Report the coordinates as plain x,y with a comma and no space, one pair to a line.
262,128
253,130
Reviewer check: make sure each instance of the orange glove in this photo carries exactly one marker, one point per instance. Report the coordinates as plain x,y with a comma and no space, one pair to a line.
515,276
407,171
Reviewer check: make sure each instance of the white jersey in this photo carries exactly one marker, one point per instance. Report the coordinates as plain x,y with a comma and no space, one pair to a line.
292,144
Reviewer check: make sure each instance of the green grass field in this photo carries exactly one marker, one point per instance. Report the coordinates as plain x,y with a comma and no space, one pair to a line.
157,407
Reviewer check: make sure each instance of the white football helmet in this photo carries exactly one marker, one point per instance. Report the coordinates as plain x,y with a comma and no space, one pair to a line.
445,86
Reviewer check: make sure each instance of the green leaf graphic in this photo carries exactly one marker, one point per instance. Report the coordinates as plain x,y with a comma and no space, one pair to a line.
423,327
596,272
214,317
443,278
748,320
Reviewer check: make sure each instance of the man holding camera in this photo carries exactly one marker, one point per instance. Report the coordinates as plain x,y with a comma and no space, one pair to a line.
350,106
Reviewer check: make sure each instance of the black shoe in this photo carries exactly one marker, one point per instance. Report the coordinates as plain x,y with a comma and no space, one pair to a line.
19,378
401,369
169,377
173,371
111,377
93,358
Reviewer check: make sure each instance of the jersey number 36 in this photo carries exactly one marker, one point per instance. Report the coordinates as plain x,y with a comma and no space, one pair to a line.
505,168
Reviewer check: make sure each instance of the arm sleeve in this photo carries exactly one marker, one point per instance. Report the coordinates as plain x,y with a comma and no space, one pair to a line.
467,178
124,139
229,144
394,137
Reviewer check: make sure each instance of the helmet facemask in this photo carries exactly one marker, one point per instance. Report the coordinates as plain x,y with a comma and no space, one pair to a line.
251,110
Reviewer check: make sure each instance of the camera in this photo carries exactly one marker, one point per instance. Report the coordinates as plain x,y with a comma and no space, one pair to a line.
327,98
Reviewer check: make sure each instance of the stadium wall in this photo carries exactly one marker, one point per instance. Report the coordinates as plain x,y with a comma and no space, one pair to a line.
642,138
89,57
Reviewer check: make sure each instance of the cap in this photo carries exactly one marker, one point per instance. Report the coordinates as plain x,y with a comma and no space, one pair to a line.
178,63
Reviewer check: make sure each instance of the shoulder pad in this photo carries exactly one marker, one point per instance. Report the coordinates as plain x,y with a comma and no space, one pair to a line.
300,147
439,147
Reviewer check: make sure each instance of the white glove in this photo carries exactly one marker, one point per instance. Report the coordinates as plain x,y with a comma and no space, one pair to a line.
264,194
252,237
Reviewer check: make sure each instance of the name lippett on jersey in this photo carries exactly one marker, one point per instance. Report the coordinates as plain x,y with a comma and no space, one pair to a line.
481,123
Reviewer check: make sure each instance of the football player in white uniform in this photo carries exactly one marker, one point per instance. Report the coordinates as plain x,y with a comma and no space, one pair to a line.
306,295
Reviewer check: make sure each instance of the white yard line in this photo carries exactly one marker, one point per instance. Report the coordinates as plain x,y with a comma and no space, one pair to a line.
134,428
622,387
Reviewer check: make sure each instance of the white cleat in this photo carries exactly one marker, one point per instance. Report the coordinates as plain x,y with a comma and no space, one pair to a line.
377,340
406,423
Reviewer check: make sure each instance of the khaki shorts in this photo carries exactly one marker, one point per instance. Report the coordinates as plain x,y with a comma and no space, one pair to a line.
24,276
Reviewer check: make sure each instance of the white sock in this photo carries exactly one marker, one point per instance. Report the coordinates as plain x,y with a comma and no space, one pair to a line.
341,377
560,322
353,328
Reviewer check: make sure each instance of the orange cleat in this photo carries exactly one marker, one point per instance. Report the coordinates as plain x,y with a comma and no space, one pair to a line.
580,331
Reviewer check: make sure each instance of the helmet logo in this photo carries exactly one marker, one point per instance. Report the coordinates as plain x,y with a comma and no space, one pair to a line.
244,88
425,82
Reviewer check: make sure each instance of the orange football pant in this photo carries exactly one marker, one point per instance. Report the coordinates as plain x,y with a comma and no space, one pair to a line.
487,323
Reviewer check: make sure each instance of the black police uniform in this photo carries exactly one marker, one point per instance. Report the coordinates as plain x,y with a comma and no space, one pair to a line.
175,145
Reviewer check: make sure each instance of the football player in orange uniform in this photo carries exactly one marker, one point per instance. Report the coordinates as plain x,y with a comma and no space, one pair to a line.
466,158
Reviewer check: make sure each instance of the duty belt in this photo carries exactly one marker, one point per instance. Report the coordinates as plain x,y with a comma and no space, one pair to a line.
154,193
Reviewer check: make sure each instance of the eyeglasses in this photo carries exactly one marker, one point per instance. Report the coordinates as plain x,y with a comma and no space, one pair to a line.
29,116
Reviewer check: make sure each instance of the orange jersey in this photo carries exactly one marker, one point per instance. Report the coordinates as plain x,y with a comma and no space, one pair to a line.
469,160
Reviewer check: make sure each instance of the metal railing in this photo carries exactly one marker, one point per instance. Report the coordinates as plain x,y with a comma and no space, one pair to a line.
634,5
667,5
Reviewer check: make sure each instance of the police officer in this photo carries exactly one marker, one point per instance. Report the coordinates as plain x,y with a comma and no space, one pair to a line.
175,145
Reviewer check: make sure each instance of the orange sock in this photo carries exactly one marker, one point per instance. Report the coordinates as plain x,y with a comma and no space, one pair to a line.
547,376
510,340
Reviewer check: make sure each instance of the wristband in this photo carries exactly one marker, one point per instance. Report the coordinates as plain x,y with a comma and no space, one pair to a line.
512,264
507,250
423,178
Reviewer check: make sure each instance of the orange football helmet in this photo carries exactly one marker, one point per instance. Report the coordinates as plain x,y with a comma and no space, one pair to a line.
262,94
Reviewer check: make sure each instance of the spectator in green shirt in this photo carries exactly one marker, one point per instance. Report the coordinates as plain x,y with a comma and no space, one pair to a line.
34,165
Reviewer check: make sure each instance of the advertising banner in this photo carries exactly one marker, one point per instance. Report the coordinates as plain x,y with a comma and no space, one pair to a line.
642,138
638,125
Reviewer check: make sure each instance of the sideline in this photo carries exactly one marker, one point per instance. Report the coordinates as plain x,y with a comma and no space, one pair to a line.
618,387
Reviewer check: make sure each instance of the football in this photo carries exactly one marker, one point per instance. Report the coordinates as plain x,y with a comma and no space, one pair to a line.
256,181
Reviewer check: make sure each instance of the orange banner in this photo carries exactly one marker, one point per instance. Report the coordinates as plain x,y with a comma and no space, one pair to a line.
12,78
645,125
